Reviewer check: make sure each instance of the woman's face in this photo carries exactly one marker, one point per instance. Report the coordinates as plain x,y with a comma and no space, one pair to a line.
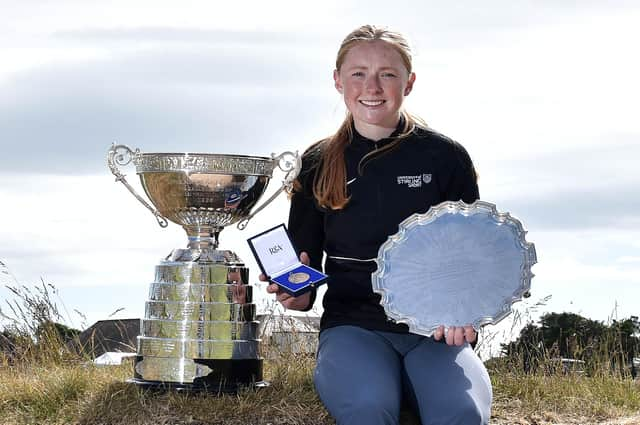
373,81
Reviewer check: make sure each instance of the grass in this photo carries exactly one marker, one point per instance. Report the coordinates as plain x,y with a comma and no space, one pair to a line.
563,398
81,394
53,394
77,393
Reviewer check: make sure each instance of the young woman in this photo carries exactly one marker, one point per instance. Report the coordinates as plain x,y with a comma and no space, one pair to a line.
355,187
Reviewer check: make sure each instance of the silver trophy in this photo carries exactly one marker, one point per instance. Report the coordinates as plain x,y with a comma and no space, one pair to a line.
456,264
199,329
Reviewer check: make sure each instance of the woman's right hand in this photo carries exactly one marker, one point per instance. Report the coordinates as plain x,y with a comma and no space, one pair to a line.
288,301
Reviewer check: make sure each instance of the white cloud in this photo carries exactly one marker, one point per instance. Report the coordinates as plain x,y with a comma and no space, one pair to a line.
628,259
579,269
41,16
574,273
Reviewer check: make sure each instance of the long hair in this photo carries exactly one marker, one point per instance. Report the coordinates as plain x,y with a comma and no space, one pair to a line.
330,184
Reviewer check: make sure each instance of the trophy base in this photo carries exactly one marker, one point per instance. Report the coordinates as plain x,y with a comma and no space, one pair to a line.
220,389
226,376
199,332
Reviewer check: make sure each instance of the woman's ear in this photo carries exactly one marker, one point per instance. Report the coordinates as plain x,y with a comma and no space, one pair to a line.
409,86
337,82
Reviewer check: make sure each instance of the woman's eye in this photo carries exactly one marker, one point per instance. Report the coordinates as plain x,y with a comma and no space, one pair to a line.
388,75
357,74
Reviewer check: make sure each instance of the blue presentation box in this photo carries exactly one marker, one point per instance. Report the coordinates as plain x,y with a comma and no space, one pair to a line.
279,261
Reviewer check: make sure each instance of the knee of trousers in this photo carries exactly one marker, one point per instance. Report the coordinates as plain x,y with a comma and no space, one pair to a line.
364,406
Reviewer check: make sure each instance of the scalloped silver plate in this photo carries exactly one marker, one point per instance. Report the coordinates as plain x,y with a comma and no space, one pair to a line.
454,265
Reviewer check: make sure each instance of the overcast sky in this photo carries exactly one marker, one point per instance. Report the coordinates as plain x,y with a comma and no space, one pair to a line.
543,94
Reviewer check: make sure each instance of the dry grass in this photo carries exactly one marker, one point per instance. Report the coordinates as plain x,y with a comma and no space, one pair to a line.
90,395
85,394
559,399
81,394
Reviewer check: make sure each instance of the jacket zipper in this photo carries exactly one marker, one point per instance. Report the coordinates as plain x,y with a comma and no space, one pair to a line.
378,191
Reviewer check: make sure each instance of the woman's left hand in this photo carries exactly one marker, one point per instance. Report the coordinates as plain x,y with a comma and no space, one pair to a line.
456,335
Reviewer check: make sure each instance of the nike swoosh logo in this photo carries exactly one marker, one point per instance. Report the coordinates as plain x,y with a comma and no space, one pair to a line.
351,181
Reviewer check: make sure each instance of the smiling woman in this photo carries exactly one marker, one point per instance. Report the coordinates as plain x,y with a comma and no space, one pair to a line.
355,187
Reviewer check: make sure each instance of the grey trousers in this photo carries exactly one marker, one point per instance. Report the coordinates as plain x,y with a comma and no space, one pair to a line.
362,377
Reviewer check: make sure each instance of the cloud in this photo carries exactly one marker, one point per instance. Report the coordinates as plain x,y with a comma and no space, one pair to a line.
590,186
625,259
62,118
212,88
190,36
581,210
598,291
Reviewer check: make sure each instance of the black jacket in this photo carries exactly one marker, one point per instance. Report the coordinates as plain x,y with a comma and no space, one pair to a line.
423,170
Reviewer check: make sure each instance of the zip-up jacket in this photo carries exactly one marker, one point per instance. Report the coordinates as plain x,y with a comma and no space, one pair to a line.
424,169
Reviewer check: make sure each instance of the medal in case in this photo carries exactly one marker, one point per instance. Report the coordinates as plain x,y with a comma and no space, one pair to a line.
278,260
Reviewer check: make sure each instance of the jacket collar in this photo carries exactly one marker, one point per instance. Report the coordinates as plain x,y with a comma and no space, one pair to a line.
359,138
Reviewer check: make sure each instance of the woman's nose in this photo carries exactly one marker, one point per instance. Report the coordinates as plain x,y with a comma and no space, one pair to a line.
372,84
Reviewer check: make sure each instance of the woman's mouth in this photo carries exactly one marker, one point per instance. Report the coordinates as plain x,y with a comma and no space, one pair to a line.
371,102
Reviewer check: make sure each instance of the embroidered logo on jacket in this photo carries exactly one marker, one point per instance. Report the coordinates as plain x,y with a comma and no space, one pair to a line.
414,181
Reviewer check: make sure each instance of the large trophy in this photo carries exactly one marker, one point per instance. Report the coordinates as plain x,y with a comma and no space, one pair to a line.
199,330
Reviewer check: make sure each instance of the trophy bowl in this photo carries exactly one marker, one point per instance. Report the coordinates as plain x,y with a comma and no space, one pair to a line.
203,190
200,331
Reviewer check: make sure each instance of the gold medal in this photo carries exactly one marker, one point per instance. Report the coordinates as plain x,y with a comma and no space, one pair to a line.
298,277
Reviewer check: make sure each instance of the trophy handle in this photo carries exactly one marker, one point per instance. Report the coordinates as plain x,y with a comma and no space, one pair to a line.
288,162
121,155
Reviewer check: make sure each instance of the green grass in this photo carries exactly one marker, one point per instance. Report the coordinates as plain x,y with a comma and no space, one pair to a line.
75,393
564,398
80,394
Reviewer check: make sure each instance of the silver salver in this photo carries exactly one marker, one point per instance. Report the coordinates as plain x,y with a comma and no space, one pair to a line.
454,265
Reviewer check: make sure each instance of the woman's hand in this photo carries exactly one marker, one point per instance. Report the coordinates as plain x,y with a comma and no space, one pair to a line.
288,301
456,335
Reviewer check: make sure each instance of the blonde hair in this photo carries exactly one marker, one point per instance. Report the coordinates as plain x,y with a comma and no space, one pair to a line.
330,184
